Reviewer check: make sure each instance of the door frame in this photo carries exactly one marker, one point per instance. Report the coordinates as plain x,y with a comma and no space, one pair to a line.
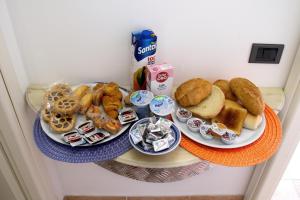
267,175
28,164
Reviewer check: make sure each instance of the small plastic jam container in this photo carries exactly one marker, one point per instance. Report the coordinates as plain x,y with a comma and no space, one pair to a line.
141,100
183,114
194,124
162,106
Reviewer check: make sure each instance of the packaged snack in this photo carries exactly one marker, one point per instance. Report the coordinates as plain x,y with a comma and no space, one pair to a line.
143,44
161,144
127,115
229,137
194,124
154,134
160,79
205,133
73,138
96,137
162,105
183,114
86,127
141,100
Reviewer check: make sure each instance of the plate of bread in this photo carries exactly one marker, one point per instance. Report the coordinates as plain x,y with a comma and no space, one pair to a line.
83,115
225,114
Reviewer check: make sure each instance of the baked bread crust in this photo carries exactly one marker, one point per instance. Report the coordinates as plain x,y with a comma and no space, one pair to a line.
62,123
211,106
224,86
248,94
192,92
232,116
67,105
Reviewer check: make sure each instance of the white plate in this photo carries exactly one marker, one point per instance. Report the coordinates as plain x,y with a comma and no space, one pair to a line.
247,136
80,120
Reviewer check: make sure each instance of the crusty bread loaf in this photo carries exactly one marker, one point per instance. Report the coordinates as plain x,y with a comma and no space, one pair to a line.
192,92
224,86
232,115
252,121
211,106
248,94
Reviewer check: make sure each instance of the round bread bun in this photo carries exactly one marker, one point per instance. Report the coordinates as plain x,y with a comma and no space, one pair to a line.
192,92
224,86
248,94
211,106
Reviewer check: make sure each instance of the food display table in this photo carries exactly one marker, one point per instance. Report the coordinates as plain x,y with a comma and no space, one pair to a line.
177,165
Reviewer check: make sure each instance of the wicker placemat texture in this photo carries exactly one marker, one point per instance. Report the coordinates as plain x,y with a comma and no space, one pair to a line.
61,152
252,154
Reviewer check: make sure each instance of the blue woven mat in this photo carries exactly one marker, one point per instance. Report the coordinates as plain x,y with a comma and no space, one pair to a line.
101,152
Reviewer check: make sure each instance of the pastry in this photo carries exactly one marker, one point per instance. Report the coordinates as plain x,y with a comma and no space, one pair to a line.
85,103
62,123
112,113
192,92
252,121
46,115
93,112
232,116
248,94
111,105
211,106
81,91
98,122
97,96
98,86
127,99
110,87
224,86
112,126
65,88
116,93
67,105
53,95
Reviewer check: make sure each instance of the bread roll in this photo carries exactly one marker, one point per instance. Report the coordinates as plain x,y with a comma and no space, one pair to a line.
252,121
248,94
224,86
211,106
192,92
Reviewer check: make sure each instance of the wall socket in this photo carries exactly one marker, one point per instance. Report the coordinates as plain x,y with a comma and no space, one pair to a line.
266,53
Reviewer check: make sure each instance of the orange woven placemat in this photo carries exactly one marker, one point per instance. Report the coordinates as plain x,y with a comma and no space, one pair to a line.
252,154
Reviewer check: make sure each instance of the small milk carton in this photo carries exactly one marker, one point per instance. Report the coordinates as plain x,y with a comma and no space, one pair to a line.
160,79
143,45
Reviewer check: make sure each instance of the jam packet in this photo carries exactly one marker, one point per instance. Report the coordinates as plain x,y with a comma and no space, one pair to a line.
73,138
127,115
96,137
86,127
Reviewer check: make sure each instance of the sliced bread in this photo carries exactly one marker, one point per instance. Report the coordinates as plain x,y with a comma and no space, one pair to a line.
232,115
252,121
211,106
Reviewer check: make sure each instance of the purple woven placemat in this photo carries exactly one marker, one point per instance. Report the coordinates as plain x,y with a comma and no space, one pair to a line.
101,152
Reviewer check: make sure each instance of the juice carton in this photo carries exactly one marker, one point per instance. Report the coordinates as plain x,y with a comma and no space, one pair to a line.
160,79
143,44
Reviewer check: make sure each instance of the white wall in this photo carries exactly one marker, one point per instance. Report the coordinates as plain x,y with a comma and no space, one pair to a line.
77,40
80,41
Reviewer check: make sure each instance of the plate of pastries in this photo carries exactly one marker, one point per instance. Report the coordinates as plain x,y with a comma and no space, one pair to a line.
83,115
223,114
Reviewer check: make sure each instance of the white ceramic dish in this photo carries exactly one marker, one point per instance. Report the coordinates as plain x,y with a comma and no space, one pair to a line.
58,137
247,136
